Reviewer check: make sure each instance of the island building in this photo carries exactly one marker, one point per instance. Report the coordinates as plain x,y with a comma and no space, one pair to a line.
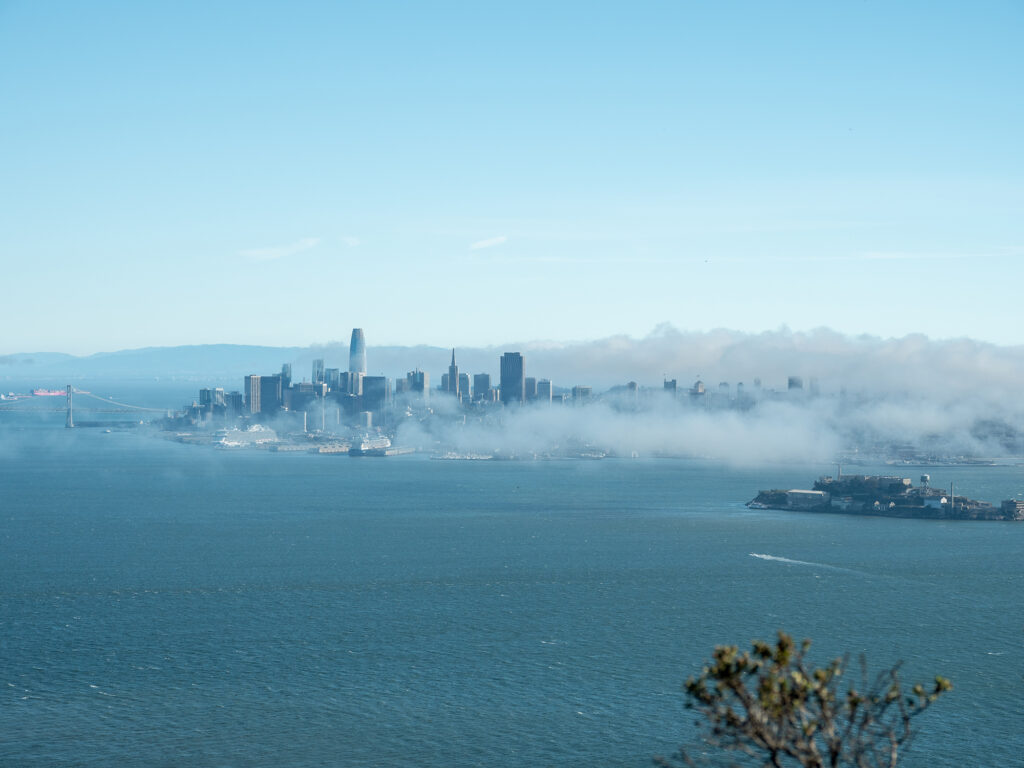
512,385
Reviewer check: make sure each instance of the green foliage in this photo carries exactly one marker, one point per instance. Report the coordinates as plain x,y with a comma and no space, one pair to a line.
767,704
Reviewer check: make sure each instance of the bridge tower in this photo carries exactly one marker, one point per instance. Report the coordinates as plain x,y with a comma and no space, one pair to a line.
71,420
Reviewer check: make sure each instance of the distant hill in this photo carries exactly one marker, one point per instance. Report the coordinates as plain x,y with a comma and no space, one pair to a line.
959,370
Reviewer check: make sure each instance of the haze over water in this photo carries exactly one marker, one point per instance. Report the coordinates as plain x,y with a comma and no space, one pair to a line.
172,605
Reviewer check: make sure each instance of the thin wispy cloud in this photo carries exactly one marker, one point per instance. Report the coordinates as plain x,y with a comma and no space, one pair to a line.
488,243
913,256
350,242
280,251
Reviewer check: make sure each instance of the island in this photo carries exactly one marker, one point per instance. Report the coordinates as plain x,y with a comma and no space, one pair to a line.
886,496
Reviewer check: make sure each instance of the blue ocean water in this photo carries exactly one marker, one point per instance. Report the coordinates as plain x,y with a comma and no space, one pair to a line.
172,605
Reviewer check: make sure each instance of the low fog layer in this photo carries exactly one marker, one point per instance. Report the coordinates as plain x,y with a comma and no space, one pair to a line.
817,430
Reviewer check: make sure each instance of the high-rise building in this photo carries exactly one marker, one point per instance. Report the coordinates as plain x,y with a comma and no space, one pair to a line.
376,397
252,393
481,385
452,383
235,402
318,371
271,399
581,394
357,352
464,391
671,387
417,383
513,378
544,391
286,375
350,383
795,382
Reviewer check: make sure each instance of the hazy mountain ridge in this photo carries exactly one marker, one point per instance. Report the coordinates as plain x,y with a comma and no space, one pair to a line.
906,365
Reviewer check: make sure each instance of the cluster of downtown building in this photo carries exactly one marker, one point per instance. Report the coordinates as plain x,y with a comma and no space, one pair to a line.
352,399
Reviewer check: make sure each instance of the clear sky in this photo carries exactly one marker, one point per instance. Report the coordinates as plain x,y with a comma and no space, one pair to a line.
478,173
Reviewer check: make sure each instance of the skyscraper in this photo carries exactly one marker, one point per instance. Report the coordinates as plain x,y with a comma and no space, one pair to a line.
357,352
318,371
544,390
481,386
270,394
376,398
531,388
418,385
252,393
513,378
453,377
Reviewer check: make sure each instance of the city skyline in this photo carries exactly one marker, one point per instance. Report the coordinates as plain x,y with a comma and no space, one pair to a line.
746,167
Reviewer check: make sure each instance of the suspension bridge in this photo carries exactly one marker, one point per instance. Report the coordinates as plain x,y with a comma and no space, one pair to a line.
94,404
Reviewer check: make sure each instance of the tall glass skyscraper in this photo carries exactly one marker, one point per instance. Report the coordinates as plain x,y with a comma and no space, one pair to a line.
357,352
513,378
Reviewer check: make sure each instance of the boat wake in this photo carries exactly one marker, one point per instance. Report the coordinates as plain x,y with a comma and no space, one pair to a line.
789,561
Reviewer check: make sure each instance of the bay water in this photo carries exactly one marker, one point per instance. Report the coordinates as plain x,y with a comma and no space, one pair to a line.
172,605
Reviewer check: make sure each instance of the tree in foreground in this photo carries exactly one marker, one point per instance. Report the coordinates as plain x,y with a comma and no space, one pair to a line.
768,707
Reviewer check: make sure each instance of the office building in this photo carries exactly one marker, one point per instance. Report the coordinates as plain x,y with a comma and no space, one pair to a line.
318,372
451,383
544,391
235,401
582,394
252,393
357,352
417,384
530,389
513,379
286,375
271,399
464,390
332,377
350,383
376,398
481,385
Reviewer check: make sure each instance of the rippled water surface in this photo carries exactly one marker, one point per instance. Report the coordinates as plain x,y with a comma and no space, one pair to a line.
171,605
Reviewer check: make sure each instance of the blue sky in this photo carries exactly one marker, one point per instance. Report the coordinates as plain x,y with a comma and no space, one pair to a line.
469,174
